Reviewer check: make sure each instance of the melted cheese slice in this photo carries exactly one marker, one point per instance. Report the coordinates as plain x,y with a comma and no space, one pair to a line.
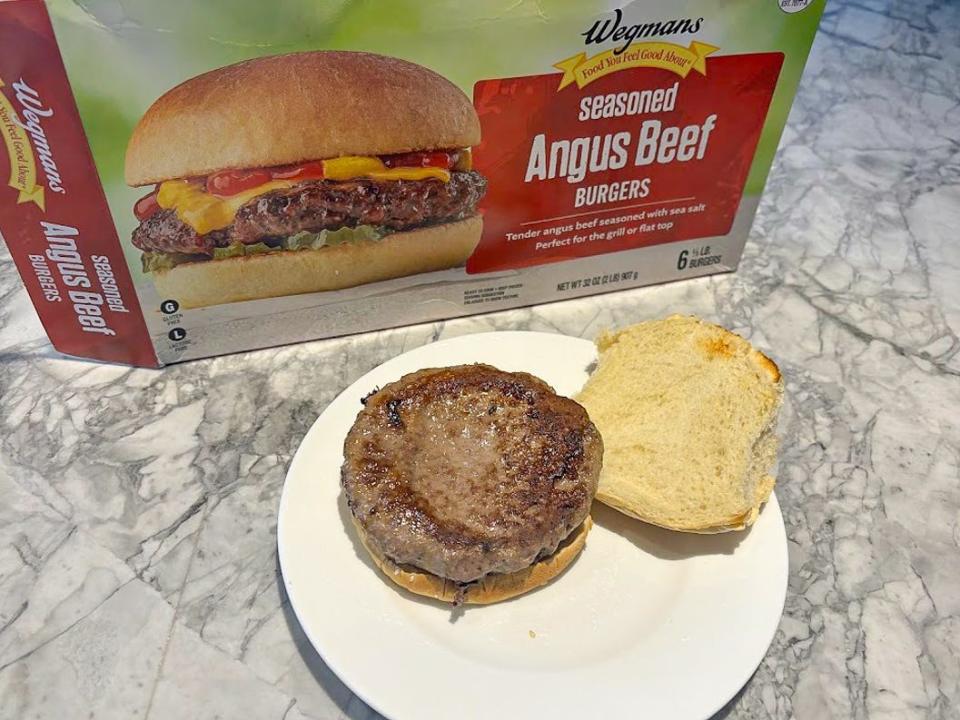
350,167
205,212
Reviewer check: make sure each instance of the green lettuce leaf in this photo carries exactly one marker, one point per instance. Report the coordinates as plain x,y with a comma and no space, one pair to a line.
239,249
159,261
328,238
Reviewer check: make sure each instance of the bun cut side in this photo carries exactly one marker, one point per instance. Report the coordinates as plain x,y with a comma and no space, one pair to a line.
293,108
687,411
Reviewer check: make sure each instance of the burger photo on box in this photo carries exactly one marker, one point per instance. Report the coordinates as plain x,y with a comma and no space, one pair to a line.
303,173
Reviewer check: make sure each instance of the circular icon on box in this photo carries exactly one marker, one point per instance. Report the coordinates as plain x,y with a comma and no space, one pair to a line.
792,6
169,307
177,334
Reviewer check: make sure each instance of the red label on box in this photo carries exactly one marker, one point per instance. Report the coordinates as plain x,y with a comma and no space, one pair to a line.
602,159
55,218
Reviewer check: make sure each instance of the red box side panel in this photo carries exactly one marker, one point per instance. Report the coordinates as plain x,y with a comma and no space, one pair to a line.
53,213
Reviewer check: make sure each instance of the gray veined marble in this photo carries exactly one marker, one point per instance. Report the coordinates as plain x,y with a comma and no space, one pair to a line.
138,575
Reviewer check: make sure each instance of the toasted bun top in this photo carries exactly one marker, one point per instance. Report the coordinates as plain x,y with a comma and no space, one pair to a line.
292,108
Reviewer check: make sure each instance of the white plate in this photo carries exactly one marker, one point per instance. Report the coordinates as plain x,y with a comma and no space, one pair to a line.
647,622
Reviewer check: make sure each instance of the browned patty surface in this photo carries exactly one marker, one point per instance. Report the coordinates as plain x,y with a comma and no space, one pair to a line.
469,470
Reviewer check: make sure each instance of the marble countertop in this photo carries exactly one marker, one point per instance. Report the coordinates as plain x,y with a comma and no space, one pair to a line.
138,572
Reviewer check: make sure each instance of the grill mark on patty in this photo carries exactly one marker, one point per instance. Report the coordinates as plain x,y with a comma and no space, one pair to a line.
441,483
316,205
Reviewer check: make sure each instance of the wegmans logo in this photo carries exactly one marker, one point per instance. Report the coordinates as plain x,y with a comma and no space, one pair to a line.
26,143
613,29
583,70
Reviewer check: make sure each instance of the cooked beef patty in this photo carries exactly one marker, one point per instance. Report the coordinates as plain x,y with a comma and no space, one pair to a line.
469,470
316,205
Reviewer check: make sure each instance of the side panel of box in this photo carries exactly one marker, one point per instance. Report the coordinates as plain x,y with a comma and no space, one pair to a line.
55,219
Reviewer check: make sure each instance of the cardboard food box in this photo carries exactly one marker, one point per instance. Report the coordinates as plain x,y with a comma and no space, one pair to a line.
190,180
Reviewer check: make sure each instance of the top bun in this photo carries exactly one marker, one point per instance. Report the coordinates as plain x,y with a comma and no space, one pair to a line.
297,107
688,413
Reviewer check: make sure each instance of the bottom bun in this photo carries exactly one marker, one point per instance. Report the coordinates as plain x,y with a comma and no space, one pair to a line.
490,588
263,275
